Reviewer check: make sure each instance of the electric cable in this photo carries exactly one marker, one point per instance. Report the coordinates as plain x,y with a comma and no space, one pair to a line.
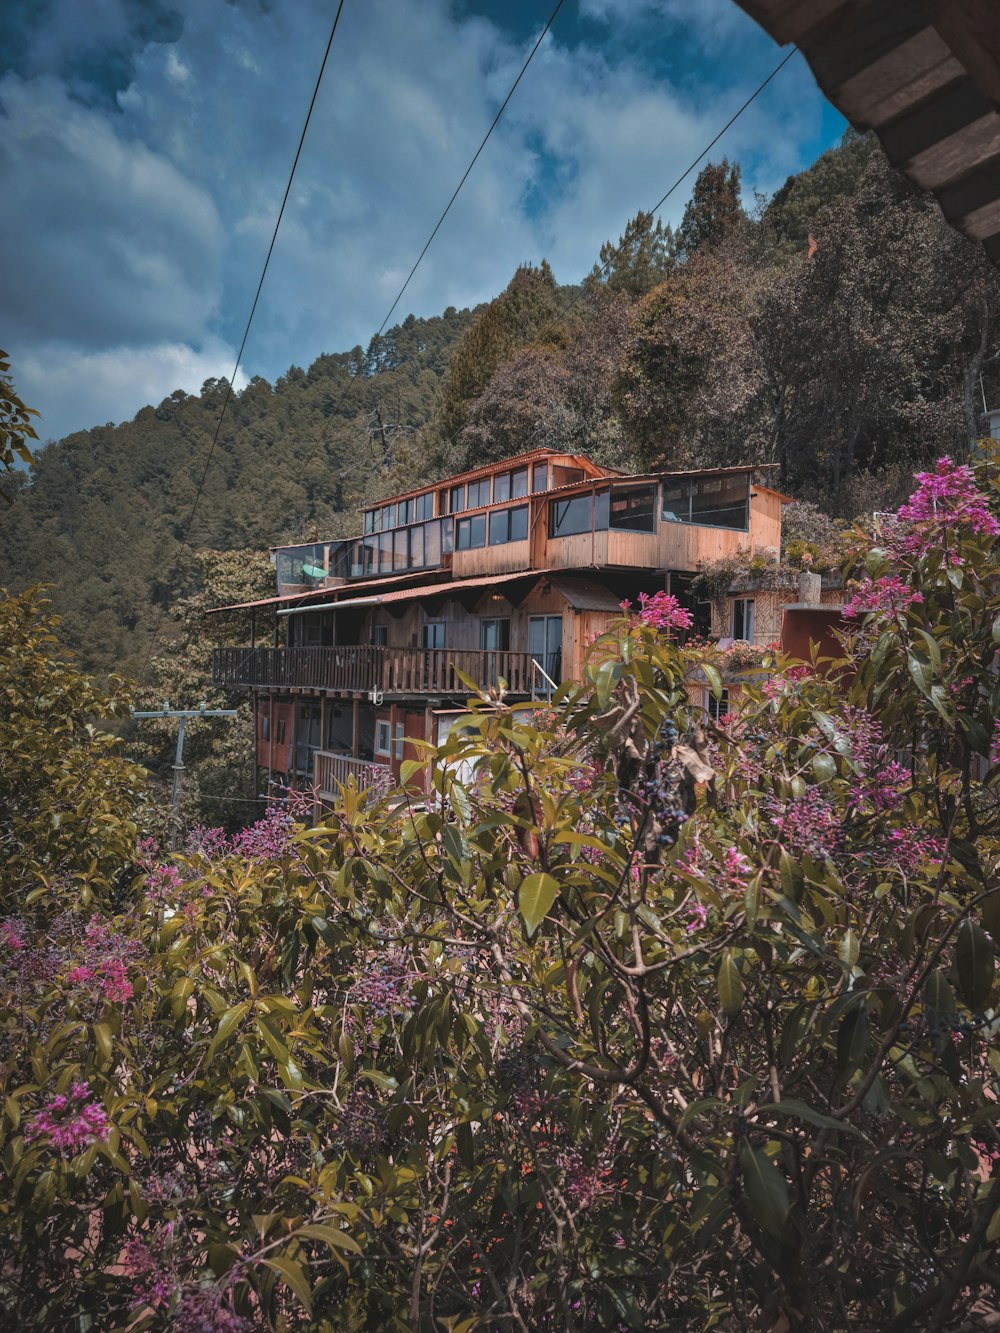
246,332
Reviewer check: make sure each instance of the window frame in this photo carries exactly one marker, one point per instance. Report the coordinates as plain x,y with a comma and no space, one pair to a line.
468,525
748,620
380,747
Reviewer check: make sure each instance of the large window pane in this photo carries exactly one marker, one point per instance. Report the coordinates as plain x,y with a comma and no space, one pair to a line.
470,532
540,477
501,488
417,547
500,527
519,523
479,493
720,502
519,484
457,499
633,509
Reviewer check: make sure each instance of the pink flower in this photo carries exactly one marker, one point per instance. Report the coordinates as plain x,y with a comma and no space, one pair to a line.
10,935
663,611
945,498
995,743
697,916
80,974
886,596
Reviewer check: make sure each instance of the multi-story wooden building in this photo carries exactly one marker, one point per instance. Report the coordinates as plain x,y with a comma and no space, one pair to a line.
505,572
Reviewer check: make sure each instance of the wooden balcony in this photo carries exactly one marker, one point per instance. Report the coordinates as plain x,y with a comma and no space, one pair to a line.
360,668
332,771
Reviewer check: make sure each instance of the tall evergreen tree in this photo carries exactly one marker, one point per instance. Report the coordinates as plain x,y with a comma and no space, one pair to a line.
643,257
713,209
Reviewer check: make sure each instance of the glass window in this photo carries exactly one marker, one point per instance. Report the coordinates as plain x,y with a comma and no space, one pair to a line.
388,517
580,513
721,502
540,477
265,727
457,499
404,512
470,532
676,505
743,618
400,549
369,522
509,525
423,507
716,708
380,636
494,635
519,484
519,523
383,737
432,634
385,553
281,731
633,509
417,548
501,488
479,493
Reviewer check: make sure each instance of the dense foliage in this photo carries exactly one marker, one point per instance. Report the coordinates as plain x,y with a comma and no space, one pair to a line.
627,1027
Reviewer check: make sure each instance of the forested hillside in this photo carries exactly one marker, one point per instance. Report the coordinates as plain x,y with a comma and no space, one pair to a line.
840,330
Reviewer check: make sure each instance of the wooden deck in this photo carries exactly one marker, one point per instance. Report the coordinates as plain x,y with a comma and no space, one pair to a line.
333,769
358,669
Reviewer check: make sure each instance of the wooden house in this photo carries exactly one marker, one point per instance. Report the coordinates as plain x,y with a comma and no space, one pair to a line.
505,572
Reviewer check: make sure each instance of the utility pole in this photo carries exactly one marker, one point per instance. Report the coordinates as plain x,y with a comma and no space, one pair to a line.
183,714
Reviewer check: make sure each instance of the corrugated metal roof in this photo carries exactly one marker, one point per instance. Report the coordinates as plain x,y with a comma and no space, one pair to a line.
315,594
586,594
490,469
449,588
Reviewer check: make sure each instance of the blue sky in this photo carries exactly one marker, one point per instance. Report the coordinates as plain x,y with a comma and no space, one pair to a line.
145,146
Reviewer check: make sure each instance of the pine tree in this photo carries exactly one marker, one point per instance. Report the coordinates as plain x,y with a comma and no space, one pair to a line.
643,257
713,209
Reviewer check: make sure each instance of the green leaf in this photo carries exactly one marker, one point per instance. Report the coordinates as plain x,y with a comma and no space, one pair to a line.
993,1230
803,1111
334,1237
534,898
766,1190
974,964
713,678
731,990
294,1277
849,949
227,1026
824,767
852,1042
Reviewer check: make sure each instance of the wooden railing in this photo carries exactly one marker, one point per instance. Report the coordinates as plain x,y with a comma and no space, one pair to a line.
332,770
359,668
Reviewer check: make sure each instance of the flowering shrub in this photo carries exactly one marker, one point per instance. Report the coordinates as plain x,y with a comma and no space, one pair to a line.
626,1030
661,611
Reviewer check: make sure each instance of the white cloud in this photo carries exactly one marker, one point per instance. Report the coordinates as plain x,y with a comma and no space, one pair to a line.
136,232
80,388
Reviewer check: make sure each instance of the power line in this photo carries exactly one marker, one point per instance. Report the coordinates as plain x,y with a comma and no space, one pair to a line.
437,226
627,239
253,311
592,277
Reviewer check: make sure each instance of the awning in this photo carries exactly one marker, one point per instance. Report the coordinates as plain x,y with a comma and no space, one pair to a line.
587,595
454,588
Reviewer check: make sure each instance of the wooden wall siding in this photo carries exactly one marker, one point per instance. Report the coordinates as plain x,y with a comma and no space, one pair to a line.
581,551
507,558
769,604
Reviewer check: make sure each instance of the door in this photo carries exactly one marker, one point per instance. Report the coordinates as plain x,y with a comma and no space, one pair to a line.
545,646
494,639
432,640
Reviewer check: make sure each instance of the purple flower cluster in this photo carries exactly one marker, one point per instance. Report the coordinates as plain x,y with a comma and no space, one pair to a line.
11,936
270,839
584,1186
880,778
661,612
945,498
386,987
906,849
995,743
70,1121
888,596
104,969
807,823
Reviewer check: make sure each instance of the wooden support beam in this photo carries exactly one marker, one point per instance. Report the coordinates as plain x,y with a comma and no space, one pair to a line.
356,727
